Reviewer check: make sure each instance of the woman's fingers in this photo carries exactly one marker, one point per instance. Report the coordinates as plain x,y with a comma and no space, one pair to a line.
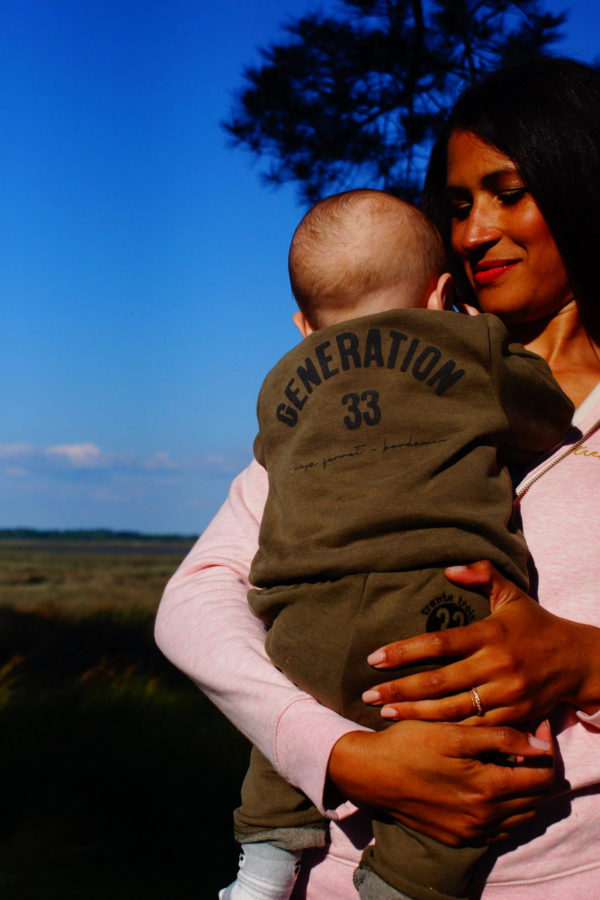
458,708
453,641
429,712
513,666
459,785
445,695
467,743
495,794
432,645
483,574
506,826
509,815
452,709
450,679
463,687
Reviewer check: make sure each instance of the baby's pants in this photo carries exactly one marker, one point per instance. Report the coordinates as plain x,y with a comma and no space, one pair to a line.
320,639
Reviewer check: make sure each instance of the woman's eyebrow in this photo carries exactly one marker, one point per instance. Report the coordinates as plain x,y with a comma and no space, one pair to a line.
488,181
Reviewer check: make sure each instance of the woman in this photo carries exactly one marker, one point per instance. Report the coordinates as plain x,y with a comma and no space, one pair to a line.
514,185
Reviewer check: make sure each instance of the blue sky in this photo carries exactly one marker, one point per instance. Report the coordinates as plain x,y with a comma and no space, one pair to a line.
143,264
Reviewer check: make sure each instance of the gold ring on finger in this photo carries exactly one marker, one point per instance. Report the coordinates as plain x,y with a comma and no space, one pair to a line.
476,702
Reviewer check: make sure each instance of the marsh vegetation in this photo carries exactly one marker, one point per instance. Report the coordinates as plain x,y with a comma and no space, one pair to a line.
118,777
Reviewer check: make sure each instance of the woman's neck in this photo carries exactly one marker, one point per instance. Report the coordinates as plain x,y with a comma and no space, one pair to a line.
567,347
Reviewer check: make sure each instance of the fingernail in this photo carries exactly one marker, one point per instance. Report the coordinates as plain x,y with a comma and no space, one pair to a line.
388,712
456,569
377,657
538,743
371,696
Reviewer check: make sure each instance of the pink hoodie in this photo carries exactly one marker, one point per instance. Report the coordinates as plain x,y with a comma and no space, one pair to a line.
204,626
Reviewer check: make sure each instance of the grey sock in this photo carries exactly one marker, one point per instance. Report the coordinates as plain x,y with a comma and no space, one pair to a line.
371,887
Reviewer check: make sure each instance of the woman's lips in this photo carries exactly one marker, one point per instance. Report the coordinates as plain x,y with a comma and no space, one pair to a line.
486,273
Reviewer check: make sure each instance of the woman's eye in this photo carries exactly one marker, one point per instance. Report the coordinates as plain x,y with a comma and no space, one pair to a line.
510,198
460,211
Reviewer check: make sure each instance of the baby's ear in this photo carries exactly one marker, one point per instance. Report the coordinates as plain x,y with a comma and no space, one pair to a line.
441,295
302,324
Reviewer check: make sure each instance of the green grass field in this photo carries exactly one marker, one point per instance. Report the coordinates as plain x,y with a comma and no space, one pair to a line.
118,777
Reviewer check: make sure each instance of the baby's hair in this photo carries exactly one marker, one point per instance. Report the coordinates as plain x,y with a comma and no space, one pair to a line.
355,248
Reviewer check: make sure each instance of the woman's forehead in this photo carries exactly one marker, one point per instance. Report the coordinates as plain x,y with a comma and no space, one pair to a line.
471,159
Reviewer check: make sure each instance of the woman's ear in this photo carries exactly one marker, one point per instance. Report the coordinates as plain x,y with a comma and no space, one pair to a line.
302,324
441,295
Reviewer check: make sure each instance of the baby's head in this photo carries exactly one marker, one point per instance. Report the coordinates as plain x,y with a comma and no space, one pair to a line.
362,252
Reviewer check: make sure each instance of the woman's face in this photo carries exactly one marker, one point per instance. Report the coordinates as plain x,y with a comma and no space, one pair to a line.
500,234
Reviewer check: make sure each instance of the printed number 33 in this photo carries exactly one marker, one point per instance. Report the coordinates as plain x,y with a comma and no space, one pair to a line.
369,412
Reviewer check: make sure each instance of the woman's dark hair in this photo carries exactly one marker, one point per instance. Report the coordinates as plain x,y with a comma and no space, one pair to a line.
545,115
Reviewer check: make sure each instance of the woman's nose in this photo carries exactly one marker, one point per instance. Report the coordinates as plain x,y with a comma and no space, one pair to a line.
479,228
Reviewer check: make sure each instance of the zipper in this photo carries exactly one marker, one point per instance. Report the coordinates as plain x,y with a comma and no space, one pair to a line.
520,493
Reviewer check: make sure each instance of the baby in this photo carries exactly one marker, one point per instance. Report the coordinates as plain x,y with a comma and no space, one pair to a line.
385,434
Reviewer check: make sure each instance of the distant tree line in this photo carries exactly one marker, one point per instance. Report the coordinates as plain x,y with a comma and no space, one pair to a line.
86,535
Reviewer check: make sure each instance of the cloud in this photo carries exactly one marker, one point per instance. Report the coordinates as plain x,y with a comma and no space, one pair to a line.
222,463
80,484
14,451
78,455
20,458
160,461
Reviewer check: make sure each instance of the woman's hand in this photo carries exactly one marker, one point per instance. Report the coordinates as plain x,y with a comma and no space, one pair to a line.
428,776
522,661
